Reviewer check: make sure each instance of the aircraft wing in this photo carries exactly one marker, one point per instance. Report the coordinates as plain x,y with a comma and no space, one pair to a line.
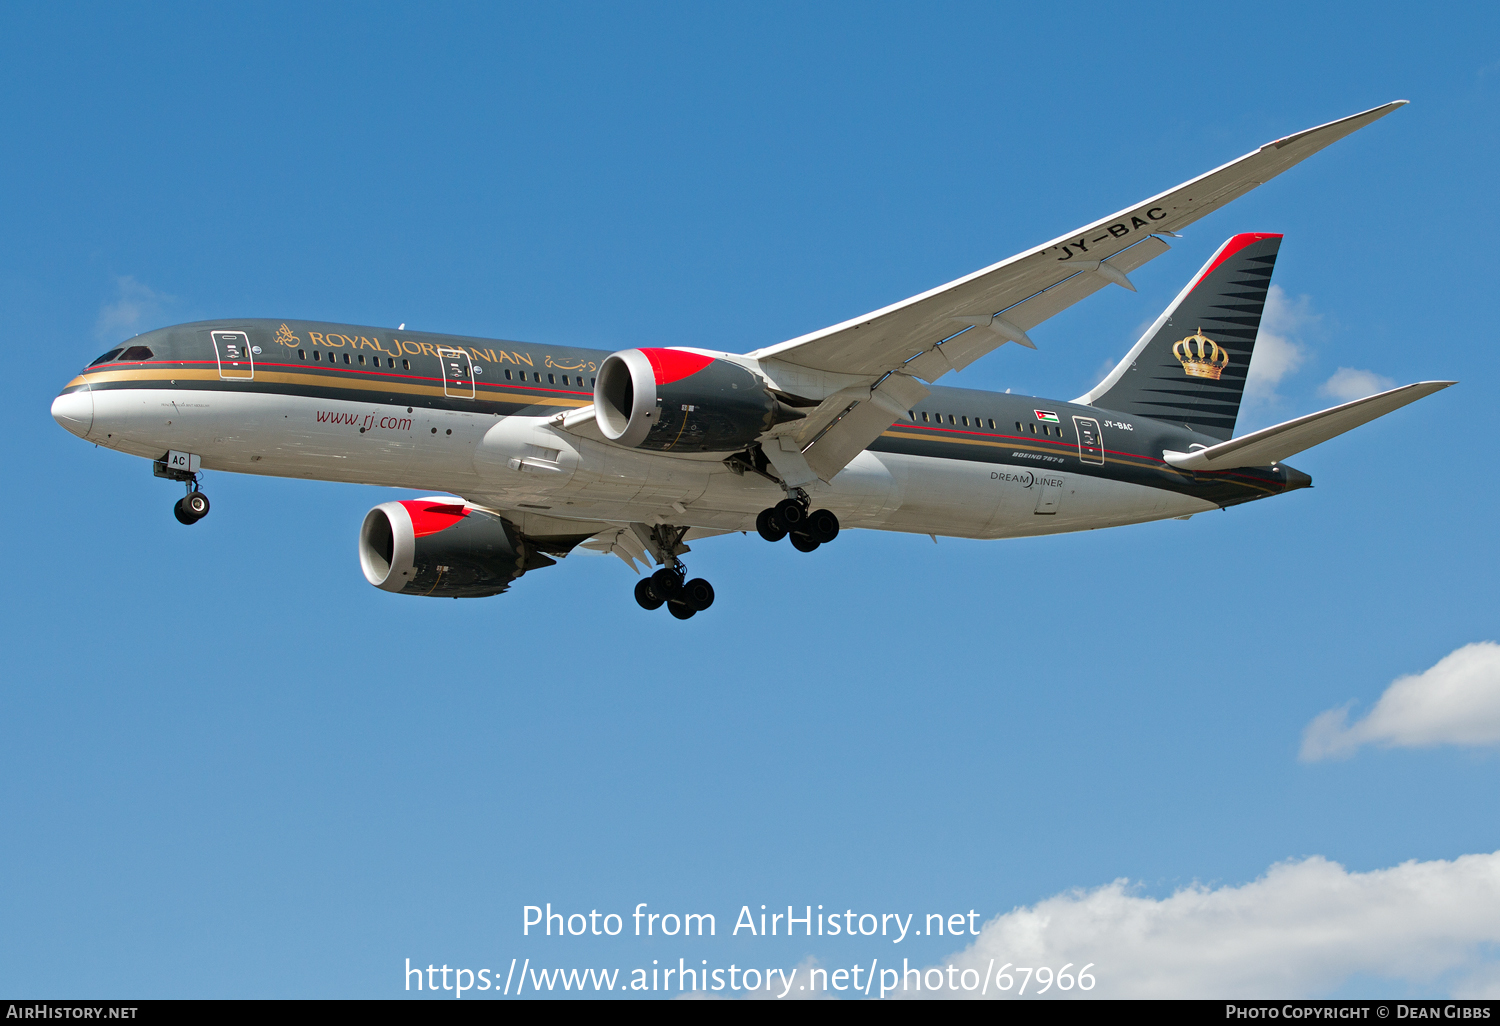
951,326
1032,286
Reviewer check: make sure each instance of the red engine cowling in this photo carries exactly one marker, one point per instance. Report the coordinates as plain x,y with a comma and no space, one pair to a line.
676,400
444,548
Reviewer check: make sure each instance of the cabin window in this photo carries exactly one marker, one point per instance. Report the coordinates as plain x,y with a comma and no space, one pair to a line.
317,356
950,418
302,354
1018,425
966,421
406,365
346,358
538,376
137,353
924,416
361,359
107,357
591,382
992,423
551,380
1033,429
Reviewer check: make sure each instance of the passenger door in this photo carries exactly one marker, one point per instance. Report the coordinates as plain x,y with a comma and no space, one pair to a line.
458,373
235,355
1090,440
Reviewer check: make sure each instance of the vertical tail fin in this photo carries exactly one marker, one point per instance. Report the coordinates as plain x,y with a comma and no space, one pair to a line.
1189,367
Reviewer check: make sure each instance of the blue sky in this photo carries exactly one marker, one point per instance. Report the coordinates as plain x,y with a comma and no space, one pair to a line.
232,768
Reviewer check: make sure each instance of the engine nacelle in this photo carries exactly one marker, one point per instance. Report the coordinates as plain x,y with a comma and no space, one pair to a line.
674,400
442,548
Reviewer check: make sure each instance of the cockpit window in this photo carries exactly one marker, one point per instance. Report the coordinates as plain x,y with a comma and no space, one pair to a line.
137,353
107,357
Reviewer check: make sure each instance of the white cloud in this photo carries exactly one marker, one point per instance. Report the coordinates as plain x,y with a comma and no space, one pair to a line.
1348,383
1277,349
1301,930
1456,702
133,304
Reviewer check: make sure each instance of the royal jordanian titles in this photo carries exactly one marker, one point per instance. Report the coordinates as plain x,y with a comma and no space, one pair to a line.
640,452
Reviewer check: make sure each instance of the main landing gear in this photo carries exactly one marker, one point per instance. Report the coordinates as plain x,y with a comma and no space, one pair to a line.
669,586
790,517
666,587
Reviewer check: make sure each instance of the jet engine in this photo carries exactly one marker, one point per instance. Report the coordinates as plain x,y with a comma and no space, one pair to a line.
443,548
673,400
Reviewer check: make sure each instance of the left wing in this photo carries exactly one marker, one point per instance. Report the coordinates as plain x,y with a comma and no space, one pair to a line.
951,326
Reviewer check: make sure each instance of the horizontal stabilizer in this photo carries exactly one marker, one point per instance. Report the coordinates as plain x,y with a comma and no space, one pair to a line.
1273,444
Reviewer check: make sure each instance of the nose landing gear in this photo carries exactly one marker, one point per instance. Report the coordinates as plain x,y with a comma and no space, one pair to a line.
192,507
790,516
176,466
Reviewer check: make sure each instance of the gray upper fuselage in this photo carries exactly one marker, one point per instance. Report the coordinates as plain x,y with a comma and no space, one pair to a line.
403,369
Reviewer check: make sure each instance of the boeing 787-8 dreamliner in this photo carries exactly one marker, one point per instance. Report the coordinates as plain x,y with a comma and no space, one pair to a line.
641,451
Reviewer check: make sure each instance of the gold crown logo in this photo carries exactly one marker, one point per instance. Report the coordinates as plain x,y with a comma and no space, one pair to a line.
1201,356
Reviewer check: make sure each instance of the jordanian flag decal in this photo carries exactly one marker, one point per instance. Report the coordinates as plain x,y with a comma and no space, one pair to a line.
1050,418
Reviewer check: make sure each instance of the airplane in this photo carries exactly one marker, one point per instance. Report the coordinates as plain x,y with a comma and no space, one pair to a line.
641,451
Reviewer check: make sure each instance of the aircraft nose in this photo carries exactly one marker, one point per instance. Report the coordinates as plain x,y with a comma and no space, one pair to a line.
75,411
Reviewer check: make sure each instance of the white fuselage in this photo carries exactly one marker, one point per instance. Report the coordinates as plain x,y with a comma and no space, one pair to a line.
540,472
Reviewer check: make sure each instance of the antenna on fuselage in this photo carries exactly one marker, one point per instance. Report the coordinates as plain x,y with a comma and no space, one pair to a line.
402,326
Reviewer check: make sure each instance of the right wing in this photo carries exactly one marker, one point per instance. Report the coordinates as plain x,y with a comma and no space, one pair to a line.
1032,286
878,357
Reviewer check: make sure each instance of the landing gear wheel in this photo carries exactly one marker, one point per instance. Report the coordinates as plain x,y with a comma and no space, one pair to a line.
698,593
646,595
681,610
770,526
823,525
791,513
803,542
191,508
666,583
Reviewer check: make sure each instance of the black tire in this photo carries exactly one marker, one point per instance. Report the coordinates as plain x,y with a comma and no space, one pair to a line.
823,526
195,504
698,593
770,526
182,515
646,595
681,610
803,542
791,513
666,583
